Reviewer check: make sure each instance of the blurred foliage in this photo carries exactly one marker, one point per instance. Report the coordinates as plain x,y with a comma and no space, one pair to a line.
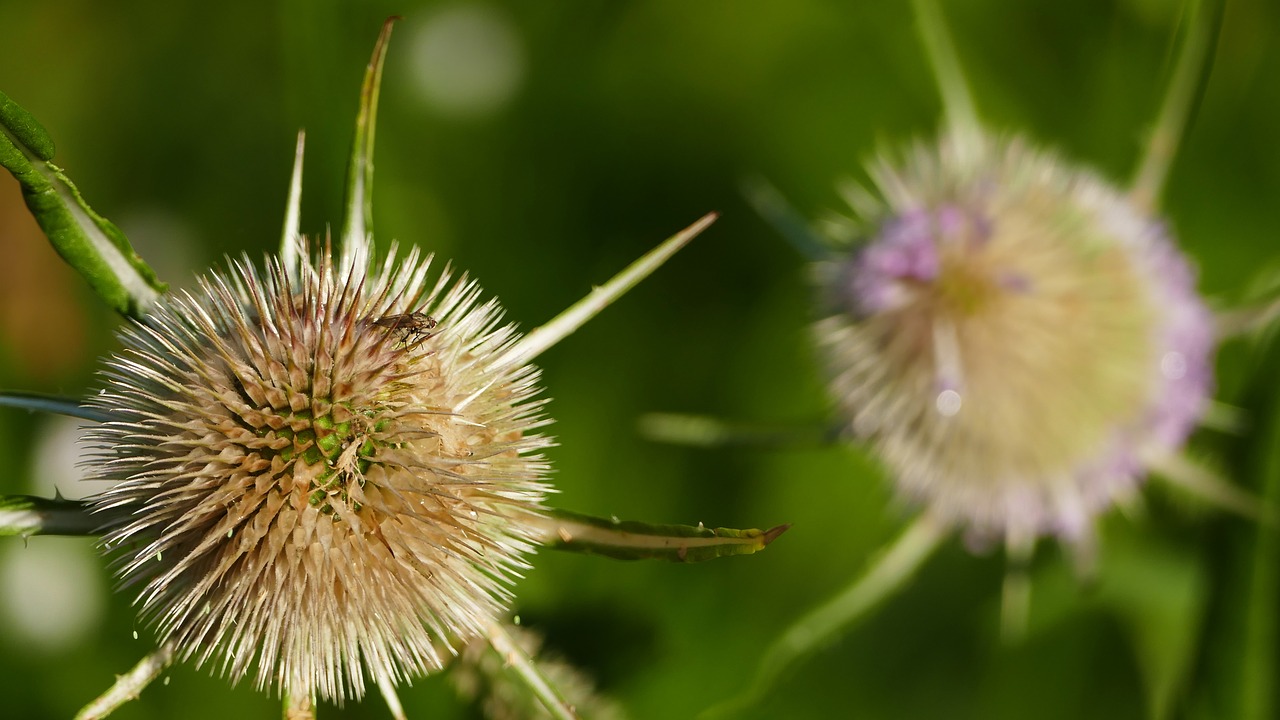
629,121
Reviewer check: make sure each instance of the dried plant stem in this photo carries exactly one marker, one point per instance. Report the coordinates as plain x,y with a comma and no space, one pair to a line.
523,665
128,686
541,338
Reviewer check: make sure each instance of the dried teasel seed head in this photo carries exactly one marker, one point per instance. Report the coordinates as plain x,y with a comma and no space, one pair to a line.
320,478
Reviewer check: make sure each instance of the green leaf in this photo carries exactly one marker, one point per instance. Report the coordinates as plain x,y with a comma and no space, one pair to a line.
86,240
631,540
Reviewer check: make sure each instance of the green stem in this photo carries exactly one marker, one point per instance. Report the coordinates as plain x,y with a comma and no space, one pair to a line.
631,540
291,239
519,661
1259,664
1204,483
1247,319
887,575
961,117
541,338
37,402
1185,89
128,686
1015,595
708,432
90,243
770,205
25,515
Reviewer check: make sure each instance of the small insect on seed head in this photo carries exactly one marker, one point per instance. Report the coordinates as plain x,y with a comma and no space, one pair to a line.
413,328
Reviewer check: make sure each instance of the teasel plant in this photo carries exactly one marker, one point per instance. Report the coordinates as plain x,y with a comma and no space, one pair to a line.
1018,341
323,469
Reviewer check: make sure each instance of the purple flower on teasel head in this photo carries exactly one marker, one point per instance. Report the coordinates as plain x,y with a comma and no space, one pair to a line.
1017,339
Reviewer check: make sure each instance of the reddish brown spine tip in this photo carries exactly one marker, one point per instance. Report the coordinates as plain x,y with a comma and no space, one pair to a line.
772,533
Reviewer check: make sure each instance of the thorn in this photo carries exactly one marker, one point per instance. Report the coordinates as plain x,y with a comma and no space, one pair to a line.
772,533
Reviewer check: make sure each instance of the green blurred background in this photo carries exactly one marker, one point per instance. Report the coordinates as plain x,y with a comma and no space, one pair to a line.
542,146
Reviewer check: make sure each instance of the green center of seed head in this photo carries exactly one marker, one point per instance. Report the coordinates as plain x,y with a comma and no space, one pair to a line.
345,448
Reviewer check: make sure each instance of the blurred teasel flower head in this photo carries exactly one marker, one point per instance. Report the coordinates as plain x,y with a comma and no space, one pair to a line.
293,455
1018,339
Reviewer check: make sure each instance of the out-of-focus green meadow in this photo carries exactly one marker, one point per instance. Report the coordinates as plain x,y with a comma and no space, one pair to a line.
541,147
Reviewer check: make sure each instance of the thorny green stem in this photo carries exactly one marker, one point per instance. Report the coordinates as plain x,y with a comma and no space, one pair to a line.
886,575
518,660
632,540
128,686
36,402
90,243
1184,91
541,338
25,515
961,117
